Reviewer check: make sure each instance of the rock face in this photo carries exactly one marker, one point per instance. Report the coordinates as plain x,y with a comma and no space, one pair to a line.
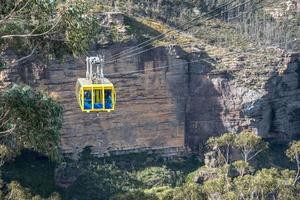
271,111
166,103
276,114
150,110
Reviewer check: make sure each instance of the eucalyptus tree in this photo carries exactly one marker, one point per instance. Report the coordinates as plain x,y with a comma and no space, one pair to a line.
293,152
223,144
242,167
250,144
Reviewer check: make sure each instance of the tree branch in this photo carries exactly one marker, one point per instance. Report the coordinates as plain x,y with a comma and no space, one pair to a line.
298,169
13,11
3,133
3,123
3,115
23,58
255,154
33,35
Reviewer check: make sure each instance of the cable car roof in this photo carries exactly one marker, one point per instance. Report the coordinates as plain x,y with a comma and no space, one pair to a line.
85,81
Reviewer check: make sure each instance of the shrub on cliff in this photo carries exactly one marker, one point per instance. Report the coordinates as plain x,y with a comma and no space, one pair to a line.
17,192
101,182
134,195
156,176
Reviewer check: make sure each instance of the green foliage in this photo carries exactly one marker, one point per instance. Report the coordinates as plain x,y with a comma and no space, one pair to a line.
97,179
33,171
134,195
215,187
28,120
79,24
243,186
239,180
101,182
156,176
33,121
6,154
242,167
186,192
293,151
223,144
261,185
265,182
51,28
191,176
249,144
17,192
161,192
22,17
289,193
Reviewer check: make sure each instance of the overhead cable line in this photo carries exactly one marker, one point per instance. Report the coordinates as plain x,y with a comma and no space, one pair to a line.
128,56
143,44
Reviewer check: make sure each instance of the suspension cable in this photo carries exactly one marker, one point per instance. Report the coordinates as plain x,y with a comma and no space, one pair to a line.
132,49
128,56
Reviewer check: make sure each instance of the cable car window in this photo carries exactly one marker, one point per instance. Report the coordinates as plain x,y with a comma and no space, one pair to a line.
108,99
87,99
98,99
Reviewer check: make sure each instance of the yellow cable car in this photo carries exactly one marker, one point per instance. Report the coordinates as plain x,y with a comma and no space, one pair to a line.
95,93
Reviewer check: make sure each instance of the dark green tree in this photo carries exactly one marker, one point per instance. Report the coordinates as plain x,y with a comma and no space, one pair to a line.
29,119
156,176
46,28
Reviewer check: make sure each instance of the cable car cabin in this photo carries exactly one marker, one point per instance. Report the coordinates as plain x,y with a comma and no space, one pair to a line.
99,97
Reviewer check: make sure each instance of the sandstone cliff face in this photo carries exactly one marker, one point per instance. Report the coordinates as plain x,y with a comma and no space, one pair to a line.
150,106
219,103
276,114
167,109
